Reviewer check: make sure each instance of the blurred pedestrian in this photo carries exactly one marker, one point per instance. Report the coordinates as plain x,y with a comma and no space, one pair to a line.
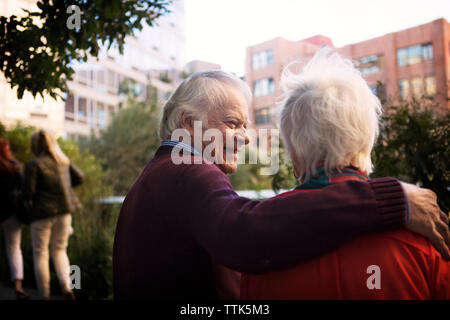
10,185
49,181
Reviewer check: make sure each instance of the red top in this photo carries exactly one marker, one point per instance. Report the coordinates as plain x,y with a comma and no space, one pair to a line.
409,268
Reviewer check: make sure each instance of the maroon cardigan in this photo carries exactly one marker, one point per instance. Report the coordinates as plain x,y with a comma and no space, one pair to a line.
177,219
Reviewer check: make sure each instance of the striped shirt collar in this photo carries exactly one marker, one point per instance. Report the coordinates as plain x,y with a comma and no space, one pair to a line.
181,145
320,179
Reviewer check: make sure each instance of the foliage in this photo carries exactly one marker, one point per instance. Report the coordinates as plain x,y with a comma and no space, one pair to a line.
129,142
19,140
37,49
284,178
247,176
414,146
164,77
186,74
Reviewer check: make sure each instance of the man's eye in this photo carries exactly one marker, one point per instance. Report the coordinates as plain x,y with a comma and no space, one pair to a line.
232,124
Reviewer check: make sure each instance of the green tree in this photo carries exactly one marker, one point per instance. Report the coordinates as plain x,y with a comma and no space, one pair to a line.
37,50
129,141
248,177
284,178
414,146
91,244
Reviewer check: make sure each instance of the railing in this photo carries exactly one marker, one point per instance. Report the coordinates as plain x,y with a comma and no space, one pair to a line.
251,194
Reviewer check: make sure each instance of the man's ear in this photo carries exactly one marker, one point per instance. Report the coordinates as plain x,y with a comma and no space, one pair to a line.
187,122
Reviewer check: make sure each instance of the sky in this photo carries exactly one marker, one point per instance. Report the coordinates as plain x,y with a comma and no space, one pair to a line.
218,31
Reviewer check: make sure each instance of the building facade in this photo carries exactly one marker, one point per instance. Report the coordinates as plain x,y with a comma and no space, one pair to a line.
264,65
409,63
154,56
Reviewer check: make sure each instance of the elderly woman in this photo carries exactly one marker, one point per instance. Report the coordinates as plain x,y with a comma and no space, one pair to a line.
180,217
329,122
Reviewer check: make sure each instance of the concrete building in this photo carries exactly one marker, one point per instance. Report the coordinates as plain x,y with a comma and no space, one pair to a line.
411,62
154,56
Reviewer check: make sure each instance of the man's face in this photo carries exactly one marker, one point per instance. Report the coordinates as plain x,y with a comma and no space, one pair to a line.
232,123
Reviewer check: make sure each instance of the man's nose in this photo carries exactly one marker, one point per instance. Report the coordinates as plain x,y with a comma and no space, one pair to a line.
246,137
242,137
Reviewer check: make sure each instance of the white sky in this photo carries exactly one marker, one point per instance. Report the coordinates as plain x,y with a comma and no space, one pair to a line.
218,31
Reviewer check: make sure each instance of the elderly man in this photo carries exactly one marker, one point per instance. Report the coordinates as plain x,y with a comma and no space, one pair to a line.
180,218
329,123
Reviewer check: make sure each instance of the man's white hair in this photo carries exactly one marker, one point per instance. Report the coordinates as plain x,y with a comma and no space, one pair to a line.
328,114
197,95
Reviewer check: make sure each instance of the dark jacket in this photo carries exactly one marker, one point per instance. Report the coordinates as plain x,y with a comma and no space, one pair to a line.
49,187
9,183
177,219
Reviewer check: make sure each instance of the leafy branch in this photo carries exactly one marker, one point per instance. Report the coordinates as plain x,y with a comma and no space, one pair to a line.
36,50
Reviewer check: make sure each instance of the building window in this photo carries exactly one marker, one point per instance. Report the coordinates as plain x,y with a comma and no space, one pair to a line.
379,90
101,76
263,87
82,107
101,117
414,54
427,51
368,65
110,78
430,86
262,116
262,59
416,86
82,77
403,86
70,104
91,114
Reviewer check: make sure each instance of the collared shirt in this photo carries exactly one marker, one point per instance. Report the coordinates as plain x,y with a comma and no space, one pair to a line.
181,145
321,179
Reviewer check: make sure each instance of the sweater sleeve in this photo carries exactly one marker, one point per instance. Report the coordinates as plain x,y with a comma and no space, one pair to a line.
253,236
30,180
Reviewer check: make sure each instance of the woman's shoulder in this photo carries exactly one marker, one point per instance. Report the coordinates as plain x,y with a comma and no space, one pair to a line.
37,163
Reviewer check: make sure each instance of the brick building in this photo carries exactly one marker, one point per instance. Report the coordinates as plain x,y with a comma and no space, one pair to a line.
411,62
263,66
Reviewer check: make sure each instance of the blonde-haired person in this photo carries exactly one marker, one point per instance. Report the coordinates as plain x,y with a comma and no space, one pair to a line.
49,179
329,122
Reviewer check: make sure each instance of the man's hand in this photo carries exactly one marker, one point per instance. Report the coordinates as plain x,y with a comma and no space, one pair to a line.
427,219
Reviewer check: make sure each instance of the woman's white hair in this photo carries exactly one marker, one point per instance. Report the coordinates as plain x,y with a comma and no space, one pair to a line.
197,95
328,114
